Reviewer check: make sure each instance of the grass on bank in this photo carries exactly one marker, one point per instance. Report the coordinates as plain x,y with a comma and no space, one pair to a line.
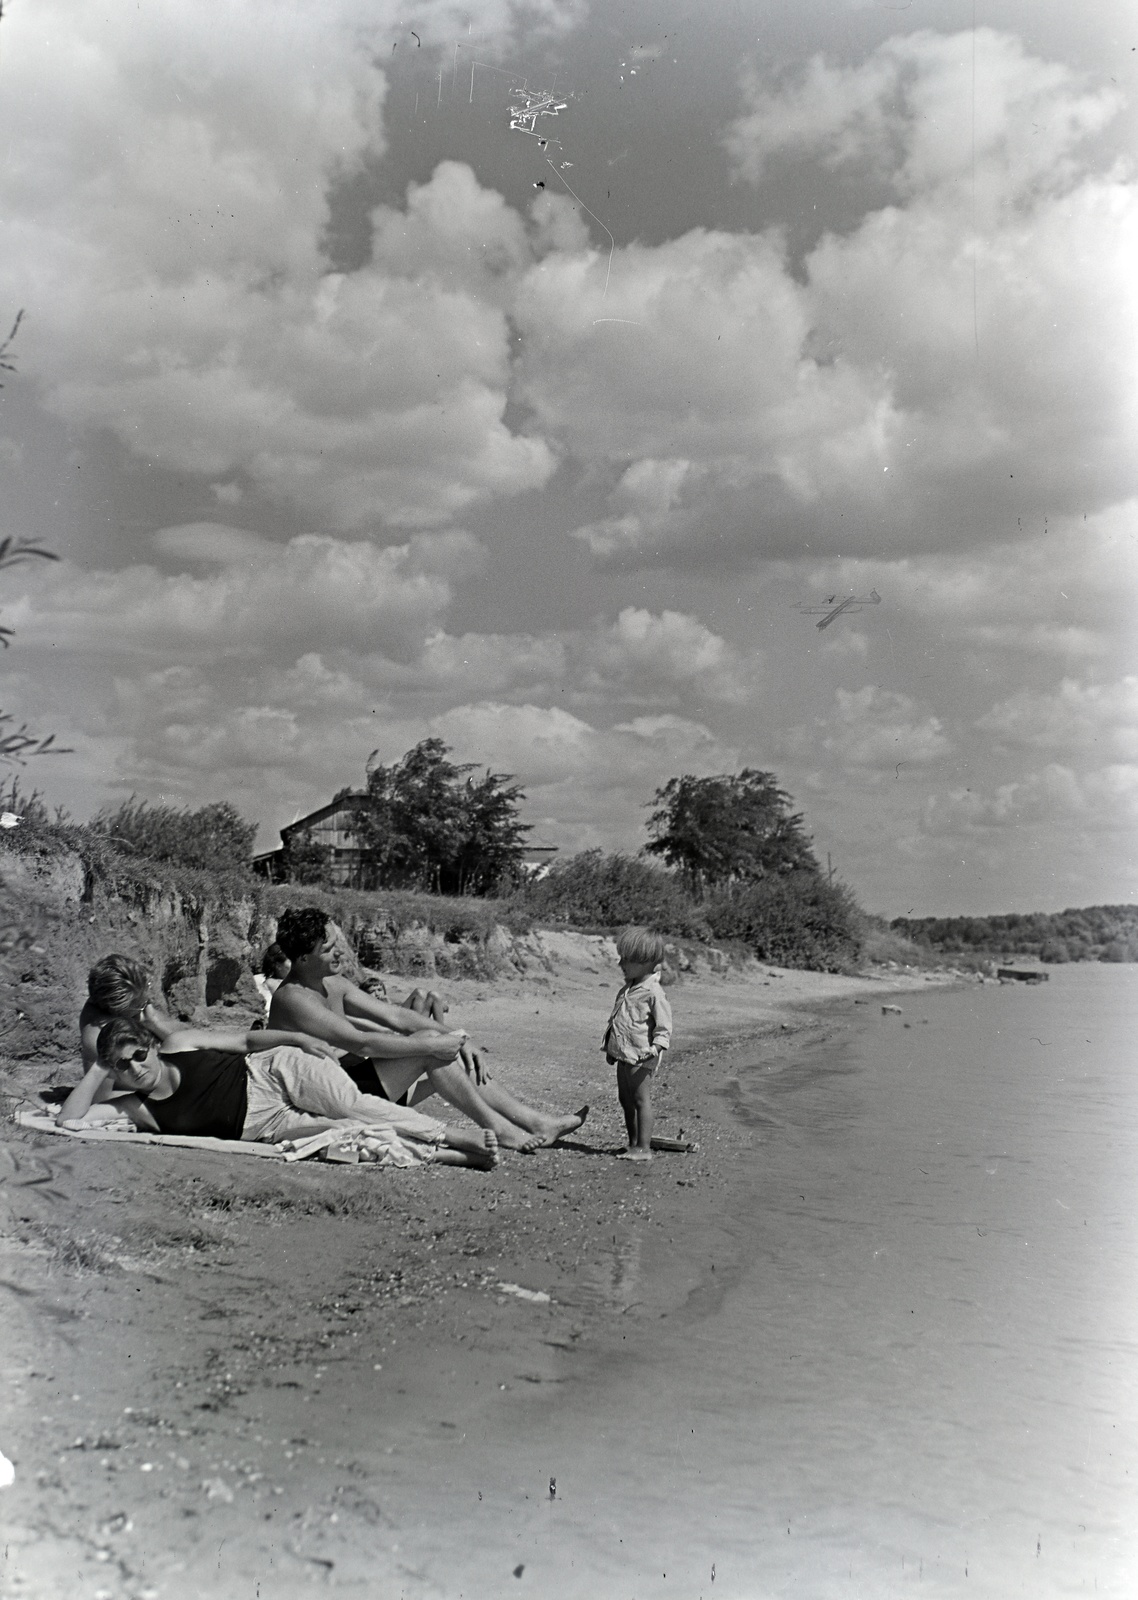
73,892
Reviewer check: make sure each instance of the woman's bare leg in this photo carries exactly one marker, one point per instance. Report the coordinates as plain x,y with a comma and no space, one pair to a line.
428,1003
463,1158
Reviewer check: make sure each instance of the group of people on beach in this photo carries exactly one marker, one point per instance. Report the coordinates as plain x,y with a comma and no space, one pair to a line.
331,1055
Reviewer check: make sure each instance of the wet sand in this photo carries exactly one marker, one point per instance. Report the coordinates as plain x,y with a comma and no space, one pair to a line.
230,1378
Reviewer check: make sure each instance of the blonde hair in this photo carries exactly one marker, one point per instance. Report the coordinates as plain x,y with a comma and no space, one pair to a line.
641,944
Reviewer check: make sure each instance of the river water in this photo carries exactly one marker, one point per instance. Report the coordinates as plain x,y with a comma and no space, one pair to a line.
915,1369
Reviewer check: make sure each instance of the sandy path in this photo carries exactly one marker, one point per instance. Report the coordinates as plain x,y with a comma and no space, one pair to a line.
232,1379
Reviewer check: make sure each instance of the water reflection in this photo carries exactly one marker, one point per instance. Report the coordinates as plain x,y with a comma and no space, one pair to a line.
922,1372
613,1282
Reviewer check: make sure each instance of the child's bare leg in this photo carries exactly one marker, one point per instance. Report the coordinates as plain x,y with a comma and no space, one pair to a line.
627,1100
640,1079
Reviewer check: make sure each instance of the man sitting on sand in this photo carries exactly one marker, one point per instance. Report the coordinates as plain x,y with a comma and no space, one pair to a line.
266,1085
389,1049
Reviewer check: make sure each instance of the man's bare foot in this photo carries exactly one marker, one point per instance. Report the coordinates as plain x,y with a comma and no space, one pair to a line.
511,1138
634,1154
555,1128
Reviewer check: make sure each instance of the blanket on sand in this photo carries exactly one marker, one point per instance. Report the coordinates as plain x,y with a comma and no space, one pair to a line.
384,1146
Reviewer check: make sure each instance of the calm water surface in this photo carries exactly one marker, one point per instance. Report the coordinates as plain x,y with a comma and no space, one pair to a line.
915,1370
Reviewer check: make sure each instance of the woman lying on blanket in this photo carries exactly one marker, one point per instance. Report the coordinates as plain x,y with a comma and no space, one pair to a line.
267,1085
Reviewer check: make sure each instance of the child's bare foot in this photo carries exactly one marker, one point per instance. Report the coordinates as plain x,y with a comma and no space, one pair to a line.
634,1154
558,1127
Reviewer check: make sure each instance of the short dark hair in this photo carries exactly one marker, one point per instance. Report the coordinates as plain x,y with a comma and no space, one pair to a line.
117,985
301,929
273,958
118,1037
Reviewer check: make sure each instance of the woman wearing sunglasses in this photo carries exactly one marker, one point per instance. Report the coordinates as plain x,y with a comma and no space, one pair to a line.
266,1085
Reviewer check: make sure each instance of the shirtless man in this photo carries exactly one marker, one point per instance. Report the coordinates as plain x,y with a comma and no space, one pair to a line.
397,1053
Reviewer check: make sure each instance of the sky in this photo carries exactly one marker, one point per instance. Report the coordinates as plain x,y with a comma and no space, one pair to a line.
358,416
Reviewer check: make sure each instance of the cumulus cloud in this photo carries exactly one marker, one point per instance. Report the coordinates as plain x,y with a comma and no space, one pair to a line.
1075,716
264,597
872,728
1102,800
1067,593
908,389
167,188
901,113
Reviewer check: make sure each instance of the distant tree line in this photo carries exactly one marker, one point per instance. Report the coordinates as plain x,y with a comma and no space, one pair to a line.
1094,933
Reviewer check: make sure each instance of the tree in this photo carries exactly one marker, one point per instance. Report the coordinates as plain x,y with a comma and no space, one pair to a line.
304,859
214,837
426,823
735,827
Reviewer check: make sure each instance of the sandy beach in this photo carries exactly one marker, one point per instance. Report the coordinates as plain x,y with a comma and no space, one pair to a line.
234,1378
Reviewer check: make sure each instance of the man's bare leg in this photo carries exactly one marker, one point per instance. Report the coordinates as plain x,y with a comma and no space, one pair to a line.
449,1080
517,1126
549,1128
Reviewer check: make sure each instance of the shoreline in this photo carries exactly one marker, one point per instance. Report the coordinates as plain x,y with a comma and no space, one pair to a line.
282,1364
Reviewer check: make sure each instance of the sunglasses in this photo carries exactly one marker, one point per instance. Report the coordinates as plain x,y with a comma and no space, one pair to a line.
136,1059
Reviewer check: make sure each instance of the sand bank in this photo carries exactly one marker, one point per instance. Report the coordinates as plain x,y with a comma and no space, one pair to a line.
228,1382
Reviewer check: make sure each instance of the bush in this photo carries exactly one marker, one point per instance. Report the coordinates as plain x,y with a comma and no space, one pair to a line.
879,944
593,890
792,920
214,838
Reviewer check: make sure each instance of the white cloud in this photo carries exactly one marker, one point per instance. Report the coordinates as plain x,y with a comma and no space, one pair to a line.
1076,716
872,728
166,190
264,598
1102,801
911,389
1069,592
923,110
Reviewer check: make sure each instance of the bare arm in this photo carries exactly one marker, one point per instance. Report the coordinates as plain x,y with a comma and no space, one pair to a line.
129,1105
158,1023
242,1042
400,1019
96,1087
297,1007
372,1012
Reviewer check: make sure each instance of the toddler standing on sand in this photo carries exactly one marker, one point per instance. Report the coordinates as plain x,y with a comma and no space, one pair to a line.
638,1032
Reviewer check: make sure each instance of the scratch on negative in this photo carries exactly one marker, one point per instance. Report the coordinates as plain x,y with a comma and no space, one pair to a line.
597,220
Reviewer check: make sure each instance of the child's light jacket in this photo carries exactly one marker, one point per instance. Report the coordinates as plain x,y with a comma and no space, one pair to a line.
641,1018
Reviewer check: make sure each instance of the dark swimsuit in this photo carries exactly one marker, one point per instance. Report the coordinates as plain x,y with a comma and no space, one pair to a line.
362,1072
211,1098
